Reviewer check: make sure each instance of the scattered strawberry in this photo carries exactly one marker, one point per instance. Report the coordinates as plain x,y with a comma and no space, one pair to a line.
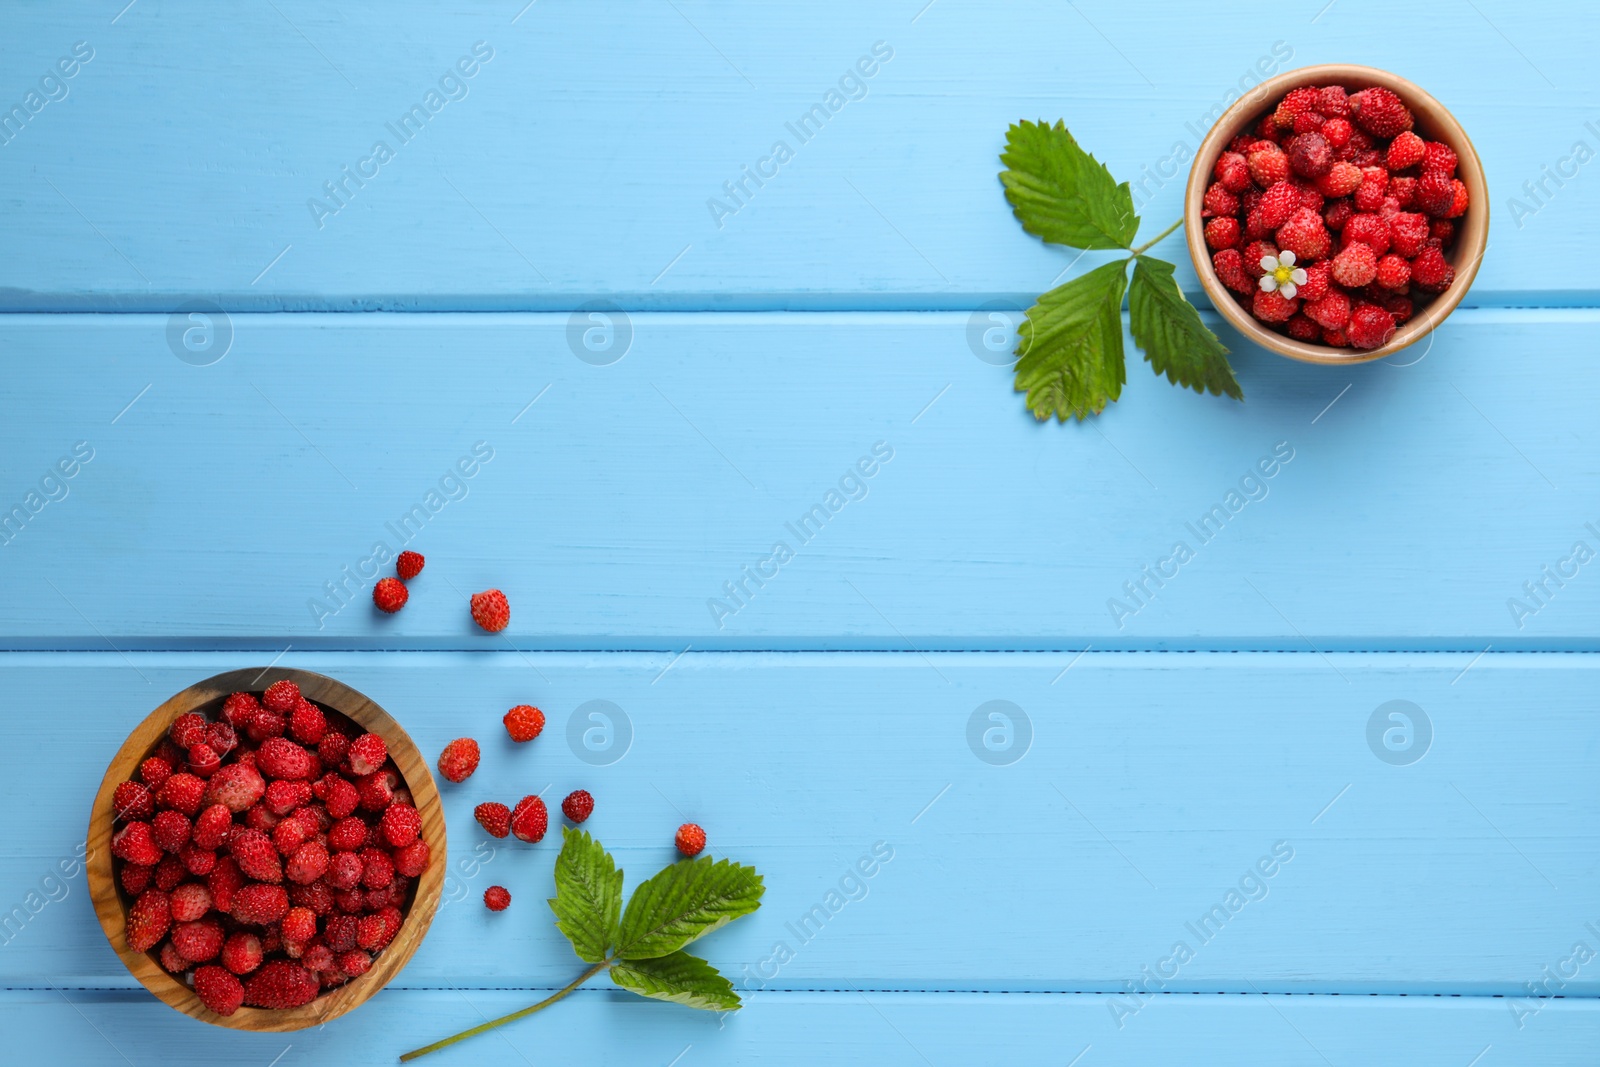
390,595
578,806
409,565
459,759
690,839
491,611
524,722
494,817
497,898
530,819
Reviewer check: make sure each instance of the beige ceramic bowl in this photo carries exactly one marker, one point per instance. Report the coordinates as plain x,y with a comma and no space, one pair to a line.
1433,123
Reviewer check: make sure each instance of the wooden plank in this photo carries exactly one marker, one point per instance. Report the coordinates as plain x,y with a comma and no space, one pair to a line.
961,1030
581,160
1428,504
1153,787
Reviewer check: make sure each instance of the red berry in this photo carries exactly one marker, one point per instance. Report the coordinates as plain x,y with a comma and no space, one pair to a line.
1333,102
239,709
1268,307
299,924
1370,326
204,761
390,595
279,757
1310,155
259,905
578,806
1435,192
256,855
1370,230
281,984
494,817
1218,201
458,760
149,919
411,860
342,799
1339,212
1380,112
400,824
1374,185
237,787
281,696
182,792
1458,199
1222,232
377,869
1430,271
367,754
530,819
198,941
348,834
189,730
136,843
1303,329
496,898
490,610
132,801
307,863
1294,103
1342,179
1232,172
224,881
1438,156
690,839
524,722
307,723
1393,272
241,953
1305,236
1355,266
218,989
153,771
171,831
1317,283
1336,132
409,565
1441,232
353,963
1230,270
1267,163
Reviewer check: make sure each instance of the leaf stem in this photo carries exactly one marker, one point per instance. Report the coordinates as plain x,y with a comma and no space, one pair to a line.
513,1017
1156,239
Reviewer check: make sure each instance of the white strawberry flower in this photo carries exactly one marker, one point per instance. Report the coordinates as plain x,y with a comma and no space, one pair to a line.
1282,276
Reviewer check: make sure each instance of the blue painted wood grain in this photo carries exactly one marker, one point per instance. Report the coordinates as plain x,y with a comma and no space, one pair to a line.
1421,502
579,161
827,708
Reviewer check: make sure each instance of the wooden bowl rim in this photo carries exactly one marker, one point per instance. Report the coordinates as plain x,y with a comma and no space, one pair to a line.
364,711
1471,242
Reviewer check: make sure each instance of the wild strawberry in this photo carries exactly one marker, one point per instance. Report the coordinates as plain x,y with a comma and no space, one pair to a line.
377,869
172,960
348,834
1307,122
1335,339
279,757
1370,326
344,870
218,989
530,819
307,723
411,860
1336,131
259,904
493,817
169,873
316,895
317,957
198,941
222,738
284,796
256,855
342,798
1355,266
1370,230
1400,307
136,843
524,722
1305,235
299,924
400,825
491,610
333,748
1303,329
149,919
367,754
1404,152
409,565
390,595
131,800
1333,102
1403,191
203,761
1268,307
1315,287
376,790
239,709
1268,165
189,901
1230,271
497,898
1431,272
1458,199
1332,312
1310,155
1232,172
1393,272
212,827
353,963
1408,232
241,952
135,878
1339,212
1381,113
690,839
281,696
459,759
261,818
189,730
1435,192
196,860
1218,201
170,830
1222,232
1253,254
281,984
224,881
1277,204
1342,179
153,771
1441,232
1439,156
264,724
181,792
1370,193
578,806
307,863
1295,102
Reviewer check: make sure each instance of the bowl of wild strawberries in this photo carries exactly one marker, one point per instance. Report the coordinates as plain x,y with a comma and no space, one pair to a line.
1337,214
266,850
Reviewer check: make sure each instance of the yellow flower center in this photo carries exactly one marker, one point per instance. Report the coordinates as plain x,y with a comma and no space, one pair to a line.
1283,274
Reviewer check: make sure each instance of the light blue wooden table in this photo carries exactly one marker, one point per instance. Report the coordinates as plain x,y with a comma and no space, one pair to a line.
1435,901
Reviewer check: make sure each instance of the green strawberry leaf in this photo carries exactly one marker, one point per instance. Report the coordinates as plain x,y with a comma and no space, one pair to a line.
1063,194
680,978
1169,331
683,902
1070,346
588,895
